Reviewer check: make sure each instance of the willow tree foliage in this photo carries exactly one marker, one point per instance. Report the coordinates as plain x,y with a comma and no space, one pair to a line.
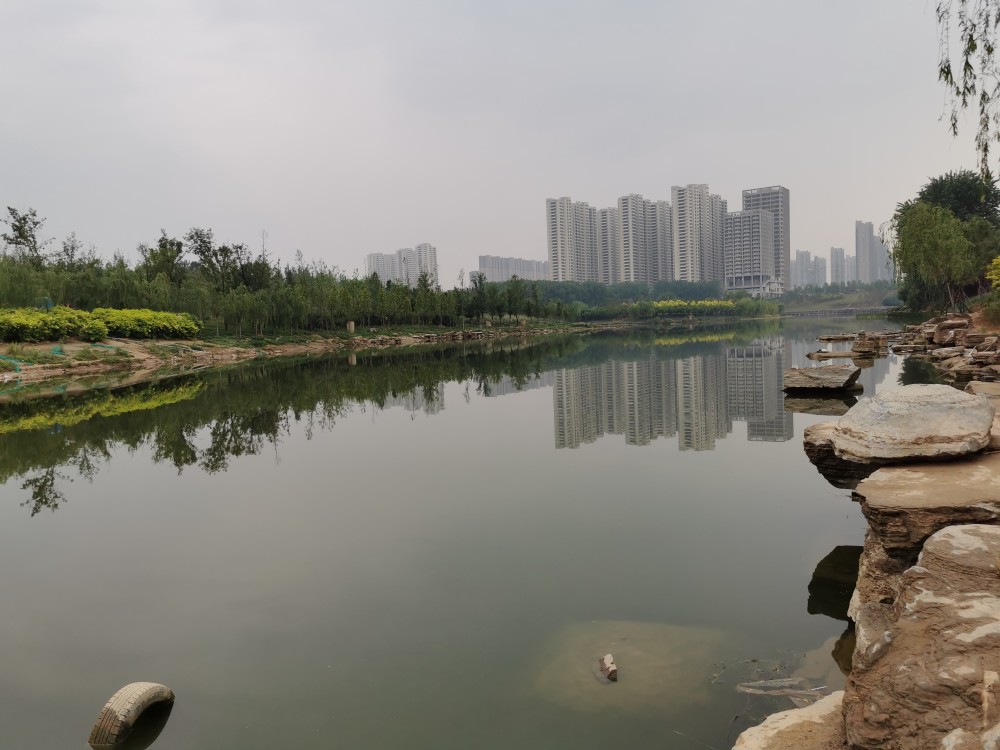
972,77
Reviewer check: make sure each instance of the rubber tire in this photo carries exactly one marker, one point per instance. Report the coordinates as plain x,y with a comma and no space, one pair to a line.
120,713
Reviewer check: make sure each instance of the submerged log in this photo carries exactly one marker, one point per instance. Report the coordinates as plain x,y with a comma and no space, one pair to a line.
608,667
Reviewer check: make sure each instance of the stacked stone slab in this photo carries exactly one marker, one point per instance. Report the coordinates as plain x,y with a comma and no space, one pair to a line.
926,607
960,353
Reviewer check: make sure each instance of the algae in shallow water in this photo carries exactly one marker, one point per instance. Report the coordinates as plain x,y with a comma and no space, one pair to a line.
661,667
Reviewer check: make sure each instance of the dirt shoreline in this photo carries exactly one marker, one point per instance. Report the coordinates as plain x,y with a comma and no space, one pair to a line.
130,362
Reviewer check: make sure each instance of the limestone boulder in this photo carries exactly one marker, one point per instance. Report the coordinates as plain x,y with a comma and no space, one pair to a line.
912,423
829,378
816,727
818,442
936,680
906,504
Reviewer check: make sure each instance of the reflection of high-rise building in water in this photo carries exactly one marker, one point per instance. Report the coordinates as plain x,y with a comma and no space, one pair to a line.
428,400
871,377
754,379
702,408
576,400
695,398
873,372
508,385
634,399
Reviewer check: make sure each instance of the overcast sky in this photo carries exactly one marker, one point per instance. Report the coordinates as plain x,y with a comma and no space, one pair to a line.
345,128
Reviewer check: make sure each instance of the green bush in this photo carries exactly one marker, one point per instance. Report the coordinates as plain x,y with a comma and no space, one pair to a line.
147,324
991,306
93,330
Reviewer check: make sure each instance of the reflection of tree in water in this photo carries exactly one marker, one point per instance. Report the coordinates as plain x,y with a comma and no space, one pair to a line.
207,421
44,493
916,371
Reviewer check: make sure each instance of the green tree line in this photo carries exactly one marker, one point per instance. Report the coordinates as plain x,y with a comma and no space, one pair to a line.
247,292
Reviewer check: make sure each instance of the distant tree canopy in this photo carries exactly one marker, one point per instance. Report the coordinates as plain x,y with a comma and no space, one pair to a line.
944,239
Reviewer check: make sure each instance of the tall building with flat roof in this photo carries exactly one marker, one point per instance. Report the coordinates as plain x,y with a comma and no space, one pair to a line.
645,241
608,247
405,265
775,199
749,253
870,254
427,262
572,240
497,268
697,223
838,266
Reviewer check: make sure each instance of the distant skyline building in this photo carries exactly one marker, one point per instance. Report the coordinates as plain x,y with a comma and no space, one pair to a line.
748,249
497,268
870,254
808,271
776,200
608,245
405,266
572,240
838,266
698,217
645,241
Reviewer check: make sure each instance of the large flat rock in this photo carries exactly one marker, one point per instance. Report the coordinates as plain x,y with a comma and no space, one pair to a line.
816,727
914,422
934,680
828,378
906,504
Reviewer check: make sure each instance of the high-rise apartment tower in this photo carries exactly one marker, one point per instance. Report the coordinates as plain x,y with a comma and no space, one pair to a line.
776,200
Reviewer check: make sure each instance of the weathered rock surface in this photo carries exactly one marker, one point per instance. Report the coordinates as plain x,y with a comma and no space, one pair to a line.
934,679
816,727
832,377
818,443
914,422
906,504
878,576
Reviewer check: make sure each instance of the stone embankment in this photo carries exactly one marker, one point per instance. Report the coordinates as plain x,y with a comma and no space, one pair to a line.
956,350
925,468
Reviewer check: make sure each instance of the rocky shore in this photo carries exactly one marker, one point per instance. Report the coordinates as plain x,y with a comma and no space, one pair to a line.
923,462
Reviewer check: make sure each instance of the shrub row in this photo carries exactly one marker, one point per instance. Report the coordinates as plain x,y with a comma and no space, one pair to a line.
147,324
29,324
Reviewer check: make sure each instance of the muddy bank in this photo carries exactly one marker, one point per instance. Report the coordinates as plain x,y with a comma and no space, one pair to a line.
76,366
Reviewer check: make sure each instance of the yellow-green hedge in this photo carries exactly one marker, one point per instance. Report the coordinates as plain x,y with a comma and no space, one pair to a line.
29,324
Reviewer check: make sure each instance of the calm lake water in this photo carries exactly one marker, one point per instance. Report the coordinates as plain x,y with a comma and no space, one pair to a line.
428,550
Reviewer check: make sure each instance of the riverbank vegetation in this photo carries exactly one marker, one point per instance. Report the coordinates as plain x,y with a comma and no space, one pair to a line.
245,292
944,240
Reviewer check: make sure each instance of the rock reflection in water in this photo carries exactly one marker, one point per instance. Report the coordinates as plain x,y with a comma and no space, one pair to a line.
825,407
830,590
833,582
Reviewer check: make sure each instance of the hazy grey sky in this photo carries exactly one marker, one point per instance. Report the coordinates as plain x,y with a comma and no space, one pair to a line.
344,128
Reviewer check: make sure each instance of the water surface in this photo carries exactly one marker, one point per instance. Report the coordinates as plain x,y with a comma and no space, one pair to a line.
426,550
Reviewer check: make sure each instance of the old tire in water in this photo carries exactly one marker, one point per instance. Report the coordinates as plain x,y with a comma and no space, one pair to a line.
120,713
